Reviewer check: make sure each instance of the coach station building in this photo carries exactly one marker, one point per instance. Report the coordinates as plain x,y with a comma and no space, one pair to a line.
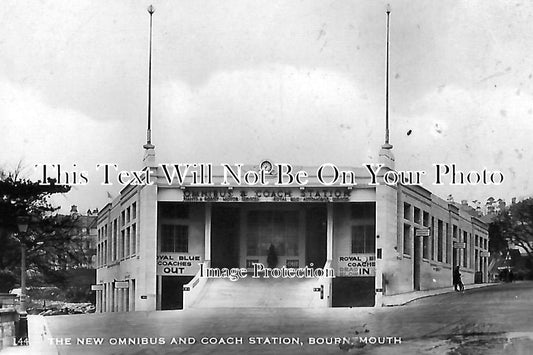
379,239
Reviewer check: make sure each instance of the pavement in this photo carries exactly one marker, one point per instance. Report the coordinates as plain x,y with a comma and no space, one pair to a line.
482,320
38,335
404,298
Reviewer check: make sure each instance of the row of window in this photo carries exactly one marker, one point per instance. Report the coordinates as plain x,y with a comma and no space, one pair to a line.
119,248
122,236
129,214
277,228
438,246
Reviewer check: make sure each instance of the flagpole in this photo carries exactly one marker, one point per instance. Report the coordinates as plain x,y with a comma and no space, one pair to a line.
387,145
149,144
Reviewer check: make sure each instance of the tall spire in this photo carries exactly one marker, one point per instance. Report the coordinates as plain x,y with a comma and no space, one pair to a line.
149,144
387,145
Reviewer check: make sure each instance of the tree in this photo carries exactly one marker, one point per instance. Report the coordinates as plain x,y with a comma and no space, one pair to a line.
515,225
47,239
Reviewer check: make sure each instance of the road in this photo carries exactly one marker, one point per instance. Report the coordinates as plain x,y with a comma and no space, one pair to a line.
489,320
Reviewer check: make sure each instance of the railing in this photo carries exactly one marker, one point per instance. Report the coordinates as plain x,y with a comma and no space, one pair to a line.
192,290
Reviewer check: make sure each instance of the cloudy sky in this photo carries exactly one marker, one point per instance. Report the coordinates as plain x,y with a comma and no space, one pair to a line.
293,81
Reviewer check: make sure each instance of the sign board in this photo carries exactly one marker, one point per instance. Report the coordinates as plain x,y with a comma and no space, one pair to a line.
178,264
122,284
97,287
266,195
357,265
422,232
485,253
458,245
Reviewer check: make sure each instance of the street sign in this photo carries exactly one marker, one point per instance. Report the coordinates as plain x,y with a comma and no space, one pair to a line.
97,287
485,253
422,232
458,245
122,284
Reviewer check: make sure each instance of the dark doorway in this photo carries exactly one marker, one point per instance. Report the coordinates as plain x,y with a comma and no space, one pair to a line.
172,291
417,260
353,292
225,231
455,259
316,237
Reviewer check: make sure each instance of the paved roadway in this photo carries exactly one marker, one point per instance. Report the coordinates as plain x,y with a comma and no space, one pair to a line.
488,320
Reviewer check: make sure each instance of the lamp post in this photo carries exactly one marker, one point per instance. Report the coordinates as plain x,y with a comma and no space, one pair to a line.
22,224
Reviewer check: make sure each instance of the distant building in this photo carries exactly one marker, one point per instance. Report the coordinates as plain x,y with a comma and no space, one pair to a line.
493,206
83,234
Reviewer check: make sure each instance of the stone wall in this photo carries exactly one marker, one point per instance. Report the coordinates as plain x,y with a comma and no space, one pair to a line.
8,319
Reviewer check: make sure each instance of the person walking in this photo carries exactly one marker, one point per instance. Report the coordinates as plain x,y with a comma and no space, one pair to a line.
457,283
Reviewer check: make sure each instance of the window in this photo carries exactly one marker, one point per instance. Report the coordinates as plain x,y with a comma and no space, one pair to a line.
425,246
363,210
471,257
455,238
122,241
105,253
127,243
440,233
417,215
425,220
174,238
277,228
114,241
406,211
123,219
363,239
407,239
433,236
134,210
465,250
128,215
133,239
448,244
173,210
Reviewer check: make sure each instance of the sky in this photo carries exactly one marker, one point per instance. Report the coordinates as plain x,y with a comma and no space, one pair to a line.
301,82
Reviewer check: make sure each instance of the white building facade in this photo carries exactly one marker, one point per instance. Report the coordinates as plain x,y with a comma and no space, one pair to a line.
153,238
